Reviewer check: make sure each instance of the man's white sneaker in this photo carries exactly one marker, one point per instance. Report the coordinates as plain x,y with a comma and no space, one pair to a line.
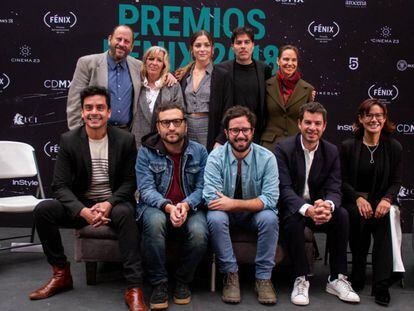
342,288
300,292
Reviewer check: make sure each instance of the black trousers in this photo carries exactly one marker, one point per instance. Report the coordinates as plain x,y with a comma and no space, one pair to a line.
360,233
293,227
50,215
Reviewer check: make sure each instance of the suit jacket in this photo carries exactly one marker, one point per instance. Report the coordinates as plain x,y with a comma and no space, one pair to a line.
73,168
324,179
143,120
93,70
282,120
221,96
387,177
264,72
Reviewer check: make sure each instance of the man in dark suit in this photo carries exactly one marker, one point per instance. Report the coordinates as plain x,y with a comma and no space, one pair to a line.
310,195
94,182
248,77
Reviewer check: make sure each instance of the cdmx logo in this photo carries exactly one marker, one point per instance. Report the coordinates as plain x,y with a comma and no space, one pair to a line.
384,93
57,84
4,81
406,129
51,150
60,23
323,33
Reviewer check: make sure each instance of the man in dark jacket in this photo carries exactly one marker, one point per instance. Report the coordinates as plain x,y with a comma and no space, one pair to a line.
93,184
169,172
310,194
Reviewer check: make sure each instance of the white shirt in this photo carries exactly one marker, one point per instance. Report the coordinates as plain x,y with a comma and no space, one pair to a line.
309,155
152,94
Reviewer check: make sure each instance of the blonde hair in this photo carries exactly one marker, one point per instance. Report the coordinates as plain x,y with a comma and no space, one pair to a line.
150,52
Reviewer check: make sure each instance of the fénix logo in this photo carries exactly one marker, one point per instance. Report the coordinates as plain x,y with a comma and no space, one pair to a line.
25,182
58,22
51,150
4,81
323,32
57,84
384,93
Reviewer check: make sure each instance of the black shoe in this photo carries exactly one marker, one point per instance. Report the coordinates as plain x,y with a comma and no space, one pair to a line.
159,297
382,294
182,294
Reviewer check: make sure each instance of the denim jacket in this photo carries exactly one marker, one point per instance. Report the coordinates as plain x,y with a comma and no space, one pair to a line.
260,175
154,172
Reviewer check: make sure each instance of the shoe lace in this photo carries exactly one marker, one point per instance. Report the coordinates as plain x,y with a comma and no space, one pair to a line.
300,284
344,283
232,279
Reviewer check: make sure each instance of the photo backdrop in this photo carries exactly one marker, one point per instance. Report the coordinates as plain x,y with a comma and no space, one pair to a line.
350,51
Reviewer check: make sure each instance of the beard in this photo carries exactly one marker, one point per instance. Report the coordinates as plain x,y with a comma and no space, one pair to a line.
179,138
240,148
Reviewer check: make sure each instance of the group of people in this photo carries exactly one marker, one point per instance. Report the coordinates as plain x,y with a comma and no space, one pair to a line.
214,147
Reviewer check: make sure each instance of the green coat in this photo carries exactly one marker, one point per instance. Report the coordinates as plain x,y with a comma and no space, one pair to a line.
282,120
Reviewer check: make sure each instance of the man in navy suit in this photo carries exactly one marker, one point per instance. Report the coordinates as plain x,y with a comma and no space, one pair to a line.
310,195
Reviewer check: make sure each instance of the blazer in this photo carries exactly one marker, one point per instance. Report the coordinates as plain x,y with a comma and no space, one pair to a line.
324,179
143,120
93,70
387,173
264,72
282,120
221,96
73,168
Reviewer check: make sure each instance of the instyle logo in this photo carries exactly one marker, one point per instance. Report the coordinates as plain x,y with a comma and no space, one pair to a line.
405,129
353,63
359,4
290,2
402,65
25,51
60,23
323,32
25,182
51,150
19,120
344,127
385,36
57,85
4,81
384,93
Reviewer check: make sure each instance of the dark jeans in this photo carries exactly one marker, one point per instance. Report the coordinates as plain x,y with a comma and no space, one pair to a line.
337,234
156,226
50,215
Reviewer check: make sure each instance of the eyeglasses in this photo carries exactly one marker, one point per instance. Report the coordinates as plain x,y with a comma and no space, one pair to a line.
370,116
167,123
245,130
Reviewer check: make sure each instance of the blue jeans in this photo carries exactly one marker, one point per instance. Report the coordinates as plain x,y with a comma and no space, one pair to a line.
264,222
156,226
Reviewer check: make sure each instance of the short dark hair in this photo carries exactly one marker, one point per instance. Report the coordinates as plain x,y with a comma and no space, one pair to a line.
363,109
313,107
238,31
126,26
168,106
288,47
95,90
237,112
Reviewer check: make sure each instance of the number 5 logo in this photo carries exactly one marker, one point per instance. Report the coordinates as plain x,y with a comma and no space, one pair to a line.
353,63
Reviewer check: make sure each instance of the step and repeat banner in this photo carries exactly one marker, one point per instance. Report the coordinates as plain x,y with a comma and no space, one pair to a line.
350,50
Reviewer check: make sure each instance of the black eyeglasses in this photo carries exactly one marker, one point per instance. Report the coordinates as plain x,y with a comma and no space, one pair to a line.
167,123
245,130
370,116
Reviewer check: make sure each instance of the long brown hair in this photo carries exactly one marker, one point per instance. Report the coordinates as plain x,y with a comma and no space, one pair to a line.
363,109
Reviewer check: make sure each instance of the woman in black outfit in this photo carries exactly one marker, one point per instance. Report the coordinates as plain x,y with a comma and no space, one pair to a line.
371,173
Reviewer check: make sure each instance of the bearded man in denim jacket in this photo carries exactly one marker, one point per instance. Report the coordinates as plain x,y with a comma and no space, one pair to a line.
169,172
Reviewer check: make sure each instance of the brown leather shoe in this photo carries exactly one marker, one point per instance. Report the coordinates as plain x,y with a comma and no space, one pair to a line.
60,281
134,298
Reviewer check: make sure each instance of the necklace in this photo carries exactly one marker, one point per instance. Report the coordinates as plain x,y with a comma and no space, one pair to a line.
371,151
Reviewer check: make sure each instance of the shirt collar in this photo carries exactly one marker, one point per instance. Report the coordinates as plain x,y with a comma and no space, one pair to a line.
307,150
112,64
209,69
247,159
158,83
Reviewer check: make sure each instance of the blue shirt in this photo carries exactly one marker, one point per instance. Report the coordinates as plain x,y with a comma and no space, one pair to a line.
260,175
121,90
